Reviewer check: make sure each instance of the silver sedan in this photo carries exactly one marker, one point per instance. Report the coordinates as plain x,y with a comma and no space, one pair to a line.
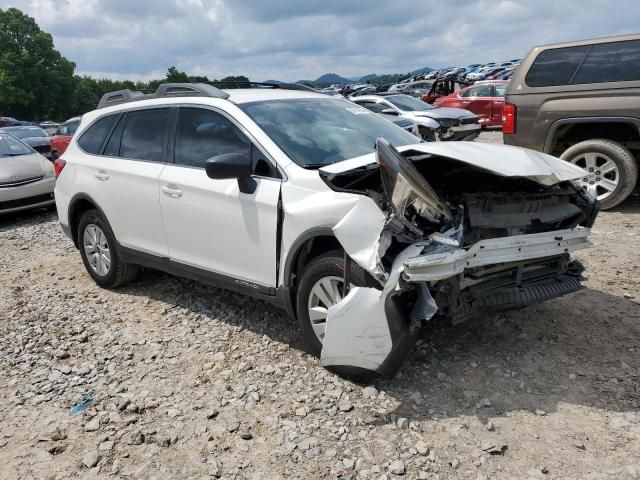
27,178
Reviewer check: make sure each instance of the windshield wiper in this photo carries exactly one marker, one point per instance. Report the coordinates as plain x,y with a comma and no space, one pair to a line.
314,165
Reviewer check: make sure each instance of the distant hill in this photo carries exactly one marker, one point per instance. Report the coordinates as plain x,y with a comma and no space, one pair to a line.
366,78
421,71
331,78
274,82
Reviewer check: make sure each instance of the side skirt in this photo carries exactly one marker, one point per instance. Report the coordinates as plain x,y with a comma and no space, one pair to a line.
164,264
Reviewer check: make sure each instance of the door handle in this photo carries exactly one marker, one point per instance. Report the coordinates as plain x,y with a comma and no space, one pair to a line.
171,192
101,175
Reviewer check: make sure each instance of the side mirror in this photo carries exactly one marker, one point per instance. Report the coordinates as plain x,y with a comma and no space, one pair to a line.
390,111
233,165
229,165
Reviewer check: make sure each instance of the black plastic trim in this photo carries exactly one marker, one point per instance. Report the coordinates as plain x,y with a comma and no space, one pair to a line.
297,245
567,121
165,264
72,204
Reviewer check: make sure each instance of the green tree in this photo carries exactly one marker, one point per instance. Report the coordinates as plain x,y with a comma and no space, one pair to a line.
36,82
176,76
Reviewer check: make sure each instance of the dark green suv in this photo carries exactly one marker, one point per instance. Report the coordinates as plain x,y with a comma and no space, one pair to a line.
580,101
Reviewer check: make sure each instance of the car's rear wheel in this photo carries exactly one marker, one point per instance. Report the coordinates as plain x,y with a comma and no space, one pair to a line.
99,254
611,170
321,287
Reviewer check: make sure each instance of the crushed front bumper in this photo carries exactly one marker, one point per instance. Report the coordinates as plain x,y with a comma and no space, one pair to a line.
375,329
437,266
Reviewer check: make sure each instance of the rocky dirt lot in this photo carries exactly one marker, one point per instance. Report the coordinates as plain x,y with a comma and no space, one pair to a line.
190,381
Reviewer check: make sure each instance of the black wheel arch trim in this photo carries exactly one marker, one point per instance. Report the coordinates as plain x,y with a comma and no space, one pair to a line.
297,244
549,140
72,204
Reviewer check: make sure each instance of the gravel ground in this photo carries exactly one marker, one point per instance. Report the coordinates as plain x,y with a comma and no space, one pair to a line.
190,381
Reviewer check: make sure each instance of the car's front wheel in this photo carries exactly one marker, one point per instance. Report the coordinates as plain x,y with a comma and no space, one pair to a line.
98,251
611,171
321,287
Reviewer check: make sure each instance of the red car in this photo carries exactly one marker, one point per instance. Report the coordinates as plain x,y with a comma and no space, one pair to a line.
485,99
60,140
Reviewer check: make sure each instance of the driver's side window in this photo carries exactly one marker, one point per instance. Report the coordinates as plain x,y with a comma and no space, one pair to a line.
202,134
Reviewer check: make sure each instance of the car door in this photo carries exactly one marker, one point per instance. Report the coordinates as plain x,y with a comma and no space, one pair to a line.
479,100
217,225
498,103
122,174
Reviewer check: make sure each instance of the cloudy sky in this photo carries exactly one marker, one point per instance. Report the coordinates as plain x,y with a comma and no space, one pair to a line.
299,39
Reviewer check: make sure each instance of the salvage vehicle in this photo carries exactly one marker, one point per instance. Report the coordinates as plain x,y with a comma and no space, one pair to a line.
433,123
580,101
33,136
26,178
485,99
60,140
321,207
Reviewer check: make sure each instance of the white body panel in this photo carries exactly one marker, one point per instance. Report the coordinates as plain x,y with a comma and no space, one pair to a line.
211,225
127,191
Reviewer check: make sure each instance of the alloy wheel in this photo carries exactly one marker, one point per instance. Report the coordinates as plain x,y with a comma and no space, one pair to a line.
324,294
602,174
96,248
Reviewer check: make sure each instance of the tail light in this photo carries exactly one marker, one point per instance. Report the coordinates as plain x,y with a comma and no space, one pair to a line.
58,165
509,119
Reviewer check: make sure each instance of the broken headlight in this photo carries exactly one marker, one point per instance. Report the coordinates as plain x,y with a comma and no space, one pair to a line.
408,193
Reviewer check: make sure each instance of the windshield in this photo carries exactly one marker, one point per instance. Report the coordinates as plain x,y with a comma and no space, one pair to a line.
407,103
26,132
317,131
12,147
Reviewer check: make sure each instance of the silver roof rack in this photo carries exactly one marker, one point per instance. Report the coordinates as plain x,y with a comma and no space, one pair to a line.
164,90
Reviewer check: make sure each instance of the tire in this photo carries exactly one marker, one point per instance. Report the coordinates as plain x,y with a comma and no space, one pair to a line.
626,172
54,155
427,134
118,272
327,265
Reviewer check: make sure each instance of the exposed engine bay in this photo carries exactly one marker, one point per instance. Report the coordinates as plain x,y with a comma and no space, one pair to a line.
458,234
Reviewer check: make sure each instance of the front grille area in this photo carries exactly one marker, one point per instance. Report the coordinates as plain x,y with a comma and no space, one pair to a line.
25,202
18,183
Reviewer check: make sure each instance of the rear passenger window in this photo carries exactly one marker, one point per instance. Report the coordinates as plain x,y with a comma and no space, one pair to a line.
202,134
93,138
143,137
112,148
556,66
611,62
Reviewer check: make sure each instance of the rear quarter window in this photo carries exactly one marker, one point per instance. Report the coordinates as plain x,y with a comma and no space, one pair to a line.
587,64
92,139
555,66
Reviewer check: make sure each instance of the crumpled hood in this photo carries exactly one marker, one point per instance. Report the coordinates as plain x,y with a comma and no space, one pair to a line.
445,112
502,160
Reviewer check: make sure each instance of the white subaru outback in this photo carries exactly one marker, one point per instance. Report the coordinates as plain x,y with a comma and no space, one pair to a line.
321,207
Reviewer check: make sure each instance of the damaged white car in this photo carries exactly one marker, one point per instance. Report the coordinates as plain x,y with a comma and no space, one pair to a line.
322,208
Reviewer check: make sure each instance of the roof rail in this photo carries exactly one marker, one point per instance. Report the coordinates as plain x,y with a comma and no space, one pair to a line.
164,90
119,96
249,84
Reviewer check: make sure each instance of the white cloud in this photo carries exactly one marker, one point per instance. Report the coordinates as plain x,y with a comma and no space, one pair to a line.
294,39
